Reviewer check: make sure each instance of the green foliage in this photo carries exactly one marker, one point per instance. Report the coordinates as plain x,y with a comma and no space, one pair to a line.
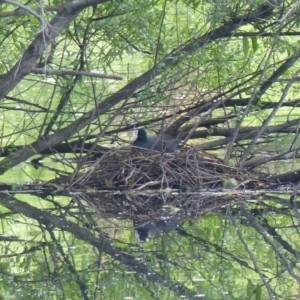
11,148
183,61
129,38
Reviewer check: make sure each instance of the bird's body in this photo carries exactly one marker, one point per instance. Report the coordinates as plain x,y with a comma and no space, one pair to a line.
146,228
162,142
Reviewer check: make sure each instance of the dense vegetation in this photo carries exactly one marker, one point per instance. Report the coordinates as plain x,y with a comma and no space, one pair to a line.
77,78
223,71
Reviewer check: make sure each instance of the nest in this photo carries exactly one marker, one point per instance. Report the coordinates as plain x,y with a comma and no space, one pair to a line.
184,170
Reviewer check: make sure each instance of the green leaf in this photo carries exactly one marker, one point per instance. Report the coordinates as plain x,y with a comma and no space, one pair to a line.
258,292
254,43
250,288
245,46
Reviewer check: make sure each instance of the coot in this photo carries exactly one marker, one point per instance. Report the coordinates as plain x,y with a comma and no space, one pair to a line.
162,142
146,228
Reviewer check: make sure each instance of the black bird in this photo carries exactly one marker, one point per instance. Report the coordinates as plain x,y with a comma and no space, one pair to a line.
146,228
162,142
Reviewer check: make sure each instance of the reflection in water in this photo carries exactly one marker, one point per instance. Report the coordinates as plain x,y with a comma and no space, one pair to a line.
145,228
225,248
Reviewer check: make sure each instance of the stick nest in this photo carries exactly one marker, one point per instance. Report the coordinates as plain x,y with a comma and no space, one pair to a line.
184,170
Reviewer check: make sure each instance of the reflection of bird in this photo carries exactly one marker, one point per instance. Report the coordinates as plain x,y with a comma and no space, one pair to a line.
162,142
146,228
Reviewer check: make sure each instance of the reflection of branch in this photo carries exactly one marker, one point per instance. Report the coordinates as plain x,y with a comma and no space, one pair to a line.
73,73
218,250
79,280
260,229
252,258
271,230
102,243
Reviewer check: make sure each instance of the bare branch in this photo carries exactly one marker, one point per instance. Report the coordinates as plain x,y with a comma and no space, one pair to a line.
26,8
73,73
